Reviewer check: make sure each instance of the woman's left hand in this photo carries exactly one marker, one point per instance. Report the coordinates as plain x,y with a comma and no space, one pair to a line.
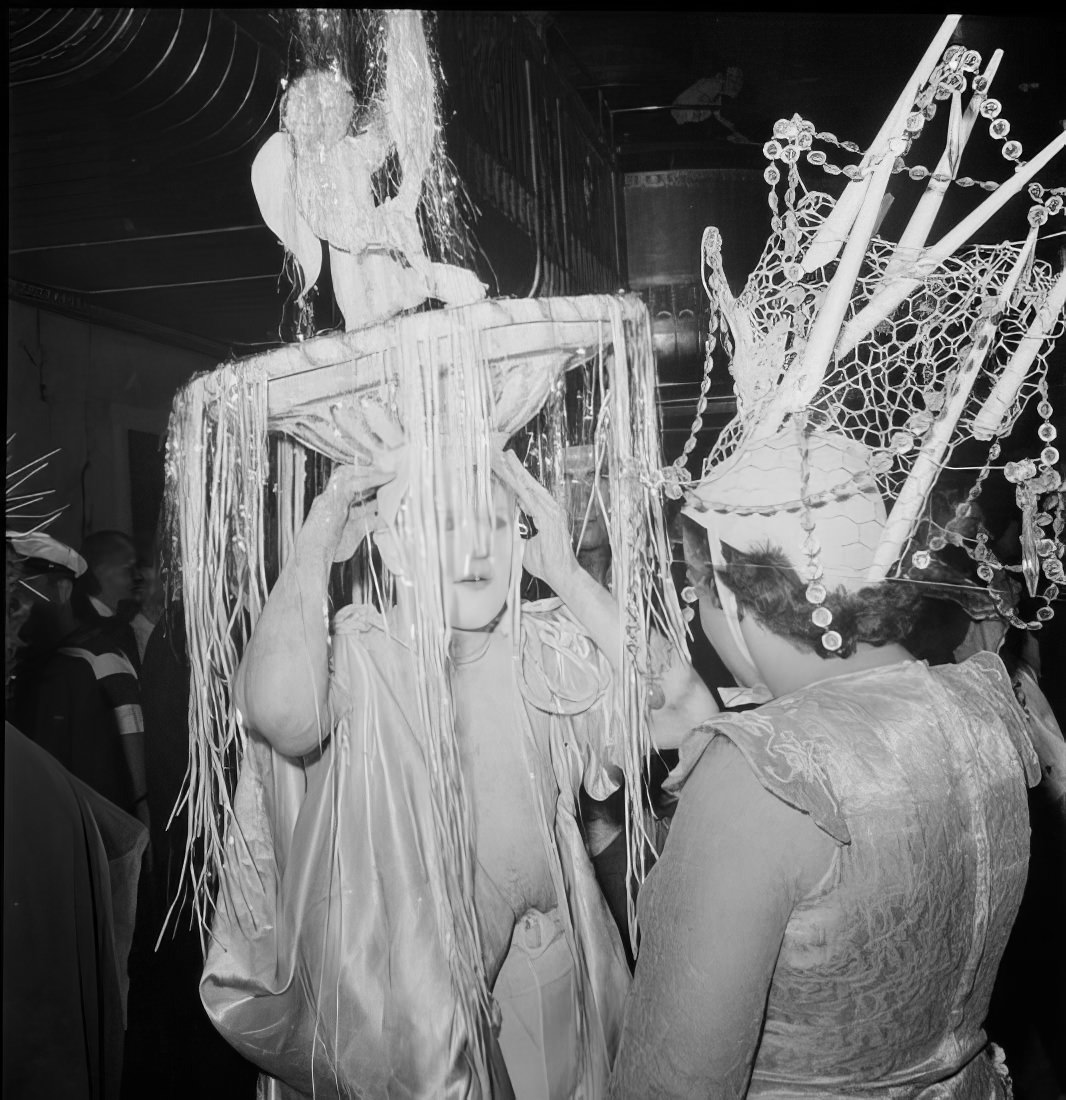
362,519
549,554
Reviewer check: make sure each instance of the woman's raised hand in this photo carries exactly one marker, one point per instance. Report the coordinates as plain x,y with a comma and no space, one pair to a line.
549,554
381,453
375,436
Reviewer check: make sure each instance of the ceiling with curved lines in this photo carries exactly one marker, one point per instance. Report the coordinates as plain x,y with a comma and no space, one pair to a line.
132,131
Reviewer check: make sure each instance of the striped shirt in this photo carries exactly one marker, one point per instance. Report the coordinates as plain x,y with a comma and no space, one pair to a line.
87,704
117,679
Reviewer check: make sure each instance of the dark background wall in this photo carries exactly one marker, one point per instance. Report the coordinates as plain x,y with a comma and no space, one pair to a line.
102,397
137,255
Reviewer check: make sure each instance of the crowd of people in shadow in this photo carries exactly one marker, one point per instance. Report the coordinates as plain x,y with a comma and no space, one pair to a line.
101,967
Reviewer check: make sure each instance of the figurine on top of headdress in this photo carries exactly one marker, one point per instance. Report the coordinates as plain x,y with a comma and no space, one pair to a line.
319,179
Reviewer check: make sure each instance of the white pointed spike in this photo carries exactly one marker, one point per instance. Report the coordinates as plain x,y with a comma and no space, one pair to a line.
885,301
827,242
953,150
988,420
801,383
913,238
1021,266
950,242
831,234
41,462
935,446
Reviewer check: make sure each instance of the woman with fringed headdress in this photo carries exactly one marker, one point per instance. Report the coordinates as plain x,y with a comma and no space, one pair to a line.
846,861
401,901
333,957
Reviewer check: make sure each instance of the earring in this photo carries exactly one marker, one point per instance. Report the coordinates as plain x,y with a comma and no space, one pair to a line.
689,596
815,593
527,529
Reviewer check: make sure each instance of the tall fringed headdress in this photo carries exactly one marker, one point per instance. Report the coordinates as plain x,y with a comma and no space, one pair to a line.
862,365
251,442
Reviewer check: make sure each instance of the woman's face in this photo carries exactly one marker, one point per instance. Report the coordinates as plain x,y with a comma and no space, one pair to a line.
118,576
477,562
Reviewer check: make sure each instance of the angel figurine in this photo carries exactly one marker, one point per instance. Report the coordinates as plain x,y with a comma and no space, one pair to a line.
314,182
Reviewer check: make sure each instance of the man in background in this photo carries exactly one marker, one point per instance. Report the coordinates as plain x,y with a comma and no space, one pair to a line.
84,704
72,861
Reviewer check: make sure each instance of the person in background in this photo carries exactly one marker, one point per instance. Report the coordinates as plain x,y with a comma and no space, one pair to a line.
44,618
588,504
72,862
1027,1013
108,592
149,600
85,705
167,1019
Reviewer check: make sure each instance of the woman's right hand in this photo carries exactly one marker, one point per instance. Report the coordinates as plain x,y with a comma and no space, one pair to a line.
378,440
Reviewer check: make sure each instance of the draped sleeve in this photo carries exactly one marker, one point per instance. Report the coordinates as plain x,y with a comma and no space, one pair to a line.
562,670
789,742
328,965
564,674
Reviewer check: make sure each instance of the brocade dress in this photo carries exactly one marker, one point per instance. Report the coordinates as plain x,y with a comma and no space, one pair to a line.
885,972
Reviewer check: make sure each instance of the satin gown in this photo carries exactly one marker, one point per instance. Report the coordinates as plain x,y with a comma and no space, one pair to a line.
327,965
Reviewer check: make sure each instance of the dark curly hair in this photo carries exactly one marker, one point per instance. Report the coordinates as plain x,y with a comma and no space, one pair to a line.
767,586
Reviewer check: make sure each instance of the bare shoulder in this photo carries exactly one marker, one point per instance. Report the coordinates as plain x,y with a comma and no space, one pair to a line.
724,798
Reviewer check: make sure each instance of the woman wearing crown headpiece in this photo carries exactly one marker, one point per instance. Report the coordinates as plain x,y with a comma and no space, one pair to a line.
847,860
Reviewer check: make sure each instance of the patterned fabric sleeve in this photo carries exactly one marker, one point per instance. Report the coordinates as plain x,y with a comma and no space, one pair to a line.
782,757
